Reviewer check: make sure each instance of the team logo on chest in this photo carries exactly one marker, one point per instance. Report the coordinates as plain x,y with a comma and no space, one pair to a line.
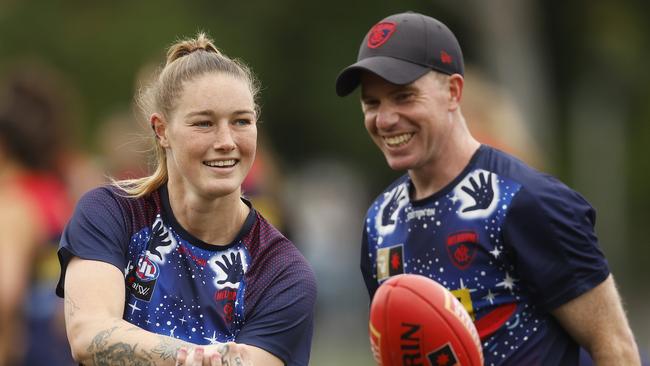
461,247
390,261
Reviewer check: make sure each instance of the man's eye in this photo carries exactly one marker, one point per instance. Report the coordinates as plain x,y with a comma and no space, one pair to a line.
202,124
403,96
243,122
368,104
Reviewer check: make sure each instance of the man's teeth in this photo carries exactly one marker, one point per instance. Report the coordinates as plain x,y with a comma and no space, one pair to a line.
221,163
398,140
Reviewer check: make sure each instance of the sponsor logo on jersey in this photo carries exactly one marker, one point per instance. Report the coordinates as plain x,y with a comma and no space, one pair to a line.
146,270
461,247
390,261
443,356
188,253
141,279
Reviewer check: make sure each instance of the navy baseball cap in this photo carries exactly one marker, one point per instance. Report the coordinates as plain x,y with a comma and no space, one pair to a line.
400,49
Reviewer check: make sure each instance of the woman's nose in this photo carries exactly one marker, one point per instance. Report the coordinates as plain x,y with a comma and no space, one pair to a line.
223,139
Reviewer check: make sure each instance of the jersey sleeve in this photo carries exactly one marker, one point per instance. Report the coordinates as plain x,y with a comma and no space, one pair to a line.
367,265
96,231
551,234
282,321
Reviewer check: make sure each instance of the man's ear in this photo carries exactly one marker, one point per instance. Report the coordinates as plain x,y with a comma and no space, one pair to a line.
456,83
159,126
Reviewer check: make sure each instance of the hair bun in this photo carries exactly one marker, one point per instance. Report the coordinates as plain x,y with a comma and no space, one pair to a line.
185,47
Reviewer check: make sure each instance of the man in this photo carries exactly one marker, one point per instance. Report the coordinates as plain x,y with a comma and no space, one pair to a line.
516,247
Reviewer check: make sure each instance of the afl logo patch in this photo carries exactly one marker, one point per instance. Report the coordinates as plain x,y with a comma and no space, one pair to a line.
141,279
147,270
380,33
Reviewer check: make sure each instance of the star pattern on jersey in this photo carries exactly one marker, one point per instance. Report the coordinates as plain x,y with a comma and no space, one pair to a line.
463,287
169,314
495,252
134,307
508,282
489,297
213,339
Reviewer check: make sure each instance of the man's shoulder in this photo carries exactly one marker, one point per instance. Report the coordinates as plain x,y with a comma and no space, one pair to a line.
509,167
538,190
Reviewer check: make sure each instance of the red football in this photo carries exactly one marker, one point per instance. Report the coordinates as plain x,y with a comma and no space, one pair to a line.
416,321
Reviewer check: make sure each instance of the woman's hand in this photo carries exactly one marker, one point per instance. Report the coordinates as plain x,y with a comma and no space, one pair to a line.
223,354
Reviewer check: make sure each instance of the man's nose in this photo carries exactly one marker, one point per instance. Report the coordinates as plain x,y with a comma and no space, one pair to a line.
386,117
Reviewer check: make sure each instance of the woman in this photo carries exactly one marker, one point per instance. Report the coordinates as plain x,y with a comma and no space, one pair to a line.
177,267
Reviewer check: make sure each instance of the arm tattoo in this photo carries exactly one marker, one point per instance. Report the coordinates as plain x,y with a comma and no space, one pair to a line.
167,348
116,353
238,361
71,307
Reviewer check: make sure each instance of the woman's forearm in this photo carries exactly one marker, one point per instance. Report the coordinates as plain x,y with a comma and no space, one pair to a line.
117,342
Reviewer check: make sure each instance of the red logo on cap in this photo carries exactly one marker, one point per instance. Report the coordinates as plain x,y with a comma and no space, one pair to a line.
445,57
380,33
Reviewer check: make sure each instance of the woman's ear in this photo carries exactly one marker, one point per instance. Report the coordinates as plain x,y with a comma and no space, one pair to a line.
456,83
159,126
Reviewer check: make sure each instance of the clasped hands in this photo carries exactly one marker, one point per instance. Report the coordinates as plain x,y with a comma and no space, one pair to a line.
220,354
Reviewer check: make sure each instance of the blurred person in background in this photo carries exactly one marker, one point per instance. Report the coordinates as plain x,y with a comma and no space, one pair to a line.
517,247
494,118
34,208
264,183
177,267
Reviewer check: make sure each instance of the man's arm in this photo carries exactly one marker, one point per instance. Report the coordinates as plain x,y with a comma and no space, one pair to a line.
597,321
94,304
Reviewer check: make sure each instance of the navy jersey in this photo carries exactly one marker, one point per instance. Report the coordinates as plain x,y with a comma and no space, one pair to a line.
258,290
509,242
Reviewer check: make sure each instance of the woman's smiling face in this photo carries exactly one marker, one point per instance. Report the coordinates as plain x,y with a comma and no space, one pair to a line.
210,139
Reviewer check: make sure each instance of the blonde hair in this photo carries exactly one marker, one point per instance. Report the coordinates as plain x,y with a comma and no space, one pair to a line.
186,60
